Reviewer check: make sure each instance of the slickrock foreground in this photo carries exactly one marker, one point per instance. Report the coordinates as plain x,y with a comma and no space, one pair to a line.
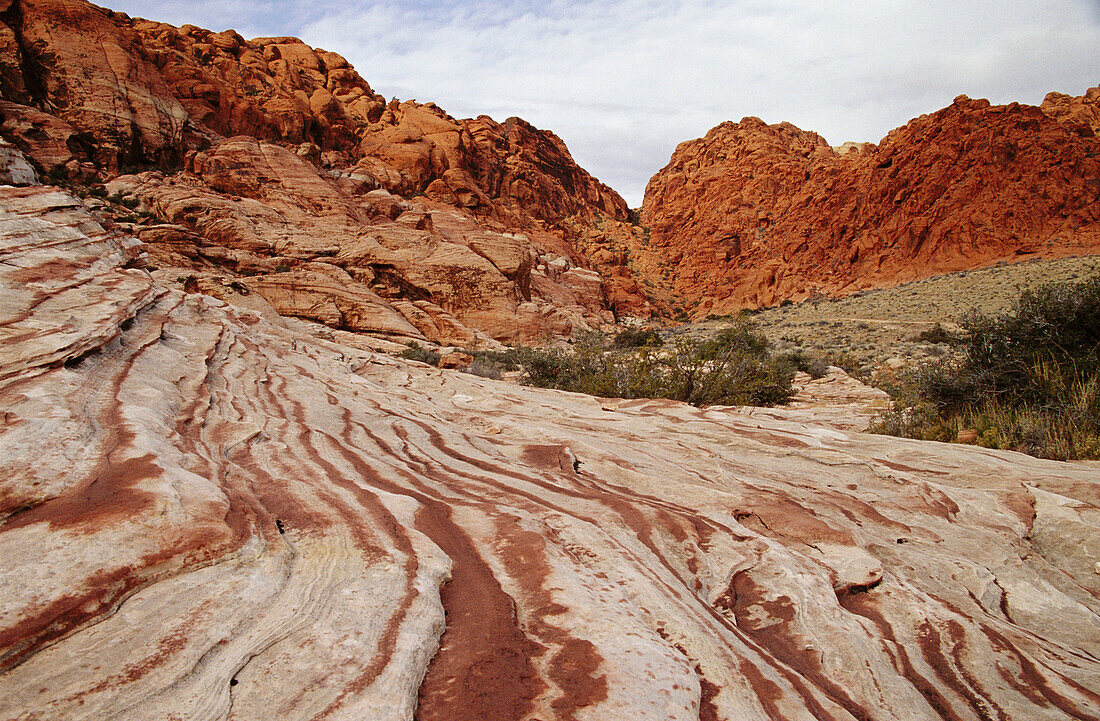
209,516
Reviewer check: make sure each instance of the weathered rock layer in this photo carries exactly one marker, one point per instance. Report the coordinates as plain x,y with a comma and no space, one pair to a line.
206,515
265,154
753,214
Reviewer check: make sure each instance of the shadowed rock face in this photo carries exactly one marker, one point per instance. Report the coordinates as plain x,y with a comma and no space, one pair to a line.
205,516
753,214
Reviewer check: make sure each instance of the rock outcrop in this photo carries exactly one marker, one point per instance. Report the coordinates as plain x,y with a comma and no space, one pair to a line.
1078,112
753,214
265,154
14,168
140,93
207,515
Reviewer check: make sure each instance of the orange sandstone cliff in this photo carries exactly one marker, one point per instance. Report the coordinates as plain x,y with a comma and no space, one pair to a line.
753,213
269,168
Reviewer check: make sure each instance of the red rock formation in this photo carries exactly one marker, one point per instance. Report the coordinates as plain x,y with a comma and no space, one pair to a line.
86,66
1082,112
147,92
204,515
369,262
753,214
90,93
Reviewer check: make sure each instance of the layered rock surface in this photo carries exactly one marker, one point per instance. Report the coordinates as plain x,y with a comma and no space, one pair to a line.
753,214
206,515
268,154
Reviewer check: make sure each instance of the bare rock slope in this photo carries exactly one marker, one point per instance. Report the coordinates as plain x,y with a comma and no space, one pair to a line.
242,159
753,214
205,515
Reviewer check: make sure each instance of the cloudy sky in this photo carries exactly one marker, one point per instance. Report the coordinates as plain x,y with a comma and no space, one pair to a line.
623,81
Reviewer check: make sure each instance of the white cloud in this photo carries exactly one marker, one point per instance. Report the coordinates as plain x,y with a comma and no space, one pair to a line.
623,81
248,18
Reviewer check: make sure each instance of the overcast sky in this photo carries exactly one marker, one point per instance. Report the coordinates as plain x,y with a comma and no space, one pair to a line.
623,81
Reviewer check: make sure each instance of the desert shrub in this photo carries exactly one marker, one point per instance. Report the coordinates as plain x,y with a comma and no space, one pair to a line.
936,334
813,365
414,351
636,338
848,362
1027,380
733,367
492,364
485,369
816,367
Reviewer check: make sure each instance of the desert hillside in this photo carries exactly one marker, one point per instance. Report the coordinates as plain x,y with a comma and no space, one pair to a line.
269,168
753,214
240,158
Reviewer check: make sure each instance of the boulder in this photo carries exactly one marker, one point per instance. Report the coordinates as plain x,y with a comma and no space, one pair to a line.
456,360
14,168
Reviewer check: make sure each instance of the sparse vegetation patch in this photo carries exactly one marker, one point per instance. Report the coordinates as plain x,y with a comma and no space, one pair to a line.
1026,380
733,367
415,351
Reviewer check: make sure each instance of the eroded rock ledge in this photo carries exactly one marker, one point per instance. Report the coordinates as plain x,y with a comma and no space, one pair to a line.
269,169
207,516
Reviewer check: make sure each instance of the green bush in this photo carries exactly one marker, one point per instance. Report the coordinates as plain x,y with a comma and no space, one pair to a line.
1027,380
937,334
416,352
492,364
814,365
733,367
636,338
